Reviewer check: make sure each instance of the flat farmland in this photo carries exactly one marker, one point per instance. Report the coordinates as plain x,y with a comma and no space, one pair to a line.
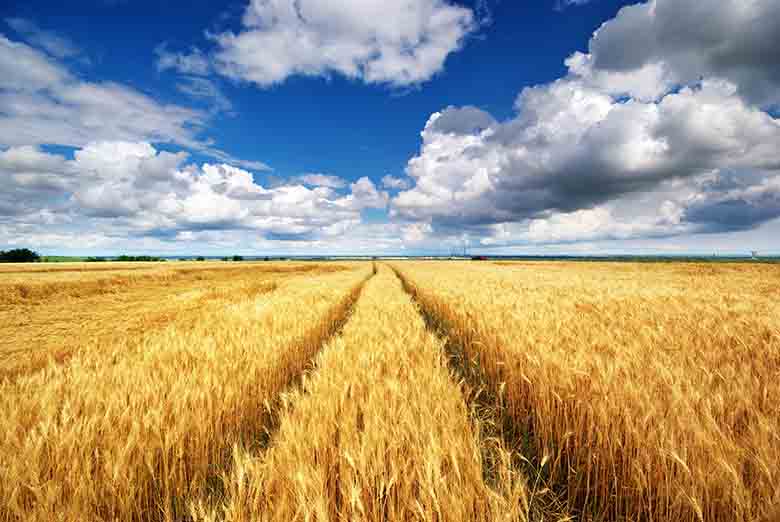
399,390
52,311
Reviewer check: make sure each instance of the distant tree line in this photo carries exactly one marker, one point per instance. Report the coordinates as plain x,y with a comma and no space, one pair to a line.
139,258
25,255
227,258
152,258
19,255
123,258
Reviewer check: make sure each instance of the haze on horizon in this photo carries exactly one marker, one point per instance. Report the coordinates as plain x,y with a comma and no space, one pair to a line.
390,127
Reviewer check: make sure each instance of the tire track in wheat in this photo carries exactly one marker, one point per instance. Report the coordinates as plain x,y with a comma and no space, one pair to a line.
379,431
501,440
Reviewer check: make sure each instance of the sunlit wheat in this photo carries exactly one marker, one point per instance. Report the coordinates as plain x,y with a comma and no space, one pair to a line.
380,431
655,388
131,432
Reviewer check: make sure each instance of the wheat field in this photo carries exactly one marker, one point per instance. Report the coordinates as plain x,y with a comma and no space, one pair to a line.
49,312
393,391
652,390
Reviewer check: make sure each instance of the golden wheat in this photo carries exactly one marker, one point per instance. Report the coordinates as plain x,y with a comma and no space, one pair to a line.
380,431
35,284
655,388
100,312
639,392
131,432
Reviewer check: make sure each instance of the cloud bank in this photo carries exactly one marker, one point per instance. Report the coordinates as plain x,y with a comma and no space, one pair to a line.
667,126
135,190
660,111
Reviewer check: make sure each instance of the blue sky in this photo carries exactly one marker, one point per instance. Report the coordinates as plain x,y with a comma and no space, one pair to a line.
407,126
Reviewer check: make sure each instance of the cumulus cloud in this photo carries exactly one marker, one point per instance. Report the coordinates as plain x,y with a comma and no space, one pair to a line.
393,182
728,203
138,191
715,203
599,223
679,42
572,148
416,232
665,126
32,180
393,42
581,147
364,195
321,180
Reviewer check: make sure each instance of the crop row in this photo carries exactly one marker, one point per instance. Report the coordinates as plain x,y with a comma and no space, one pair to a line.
133,431
380,431
653,395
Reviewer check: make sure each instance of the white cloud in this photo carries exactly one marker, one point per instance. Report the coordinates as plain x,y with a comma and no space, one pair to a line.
51,42
30,159
32,180
660,98
573,148
727,203
321,180
364,195
22,68
232,160
416,232
661,128
41,102
396,42
205,90
193,63
591,224
734,40
647,83
626,144
393,182
131,190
